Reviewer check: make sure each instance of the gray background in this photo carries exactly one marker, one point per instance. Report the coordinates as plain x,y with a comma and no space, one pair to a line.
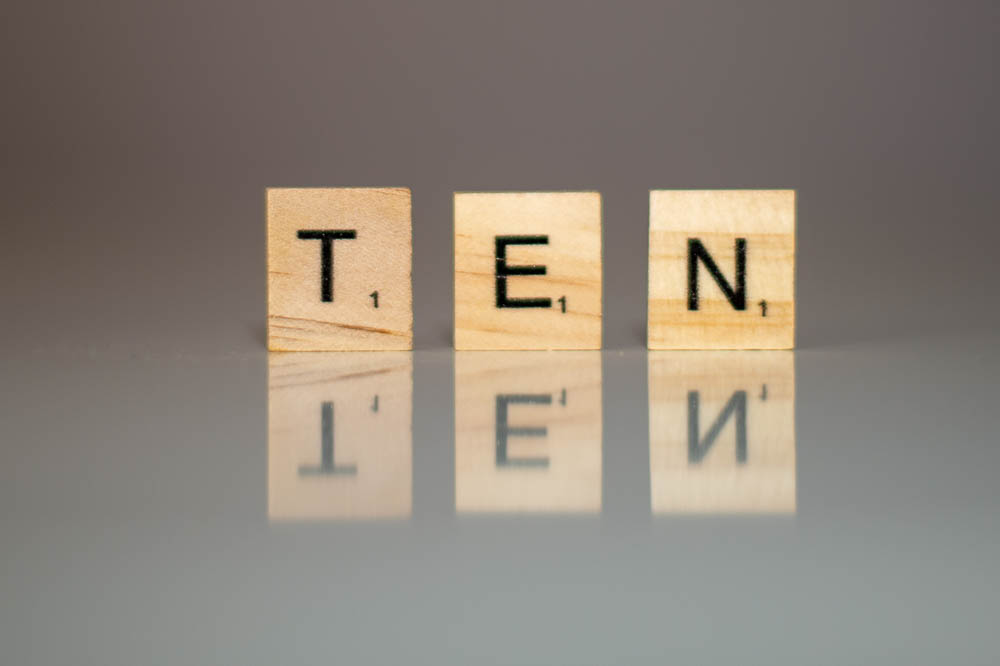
137,142
139,138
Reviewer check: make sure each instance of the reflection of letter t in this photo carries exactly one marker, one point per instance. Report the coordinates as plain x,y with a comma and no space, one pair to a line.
327,464
326,255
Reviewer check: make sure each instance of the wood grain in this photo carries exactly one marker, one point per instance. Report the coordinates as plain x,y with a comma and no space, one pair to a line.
555,471
765,219
378,259
713,479
370,398
571,222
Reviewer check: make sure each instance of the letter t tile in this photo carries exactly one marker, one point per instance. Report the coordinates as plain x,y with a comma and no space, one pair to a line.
339,269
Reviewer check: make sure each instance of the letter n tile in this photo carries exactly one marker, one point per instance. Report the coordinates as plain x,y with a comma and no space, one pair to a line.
721,269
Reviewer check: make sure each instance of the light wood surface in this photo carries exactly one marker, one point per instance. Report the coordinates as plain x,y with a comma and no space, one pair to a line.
708,475
765,221
367,470
557,469
371,268
570,223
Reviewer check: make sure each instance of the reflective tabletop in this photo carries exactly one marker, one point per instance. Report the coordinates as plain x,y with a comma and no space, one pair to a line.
502,507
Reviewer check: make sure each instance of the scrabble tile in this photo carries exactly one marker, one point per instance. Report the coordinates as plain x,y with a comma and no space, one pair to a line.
528,432
340,438
722,432
528,270
339,269
721,269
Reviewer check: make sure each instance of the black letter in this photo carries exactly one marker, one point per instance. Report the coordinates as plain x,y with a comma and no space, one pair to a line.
504,431
736,297
326,256
737,403
327,466
503,270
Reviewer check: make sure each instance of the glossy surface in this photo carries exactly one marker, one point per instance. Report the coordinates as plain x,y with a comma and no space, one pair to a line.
136,527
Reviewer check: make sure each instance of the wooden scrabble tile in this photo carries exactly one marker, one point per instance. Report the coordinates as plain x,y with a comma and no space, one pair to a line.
528,270
528,432
340,439
339,269
722,269
722,432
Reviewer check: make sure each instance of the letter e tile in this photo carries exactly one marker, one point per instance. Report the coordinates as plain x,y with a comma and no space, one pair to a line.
527,270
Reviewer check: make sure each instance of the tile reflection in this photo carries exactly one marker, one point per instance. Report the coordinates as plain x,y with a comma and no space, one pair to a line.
340,440
722,432
528,432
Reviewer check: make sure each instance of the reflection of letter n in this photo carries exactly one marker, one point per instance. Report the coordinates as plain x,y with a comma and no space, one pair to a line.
697,449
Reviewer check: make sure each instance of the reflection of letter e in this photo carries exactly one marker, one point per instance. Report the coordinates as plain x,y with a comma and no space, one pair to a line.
528,432
505,430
